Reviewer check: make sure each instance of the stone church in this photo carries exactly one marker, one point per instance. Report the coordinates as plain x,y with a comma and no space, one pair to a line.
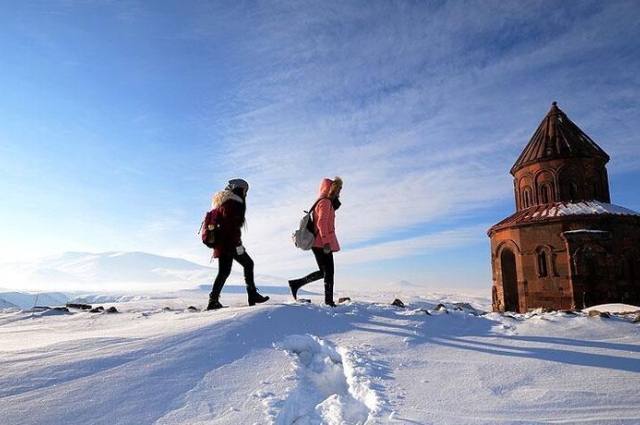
567,246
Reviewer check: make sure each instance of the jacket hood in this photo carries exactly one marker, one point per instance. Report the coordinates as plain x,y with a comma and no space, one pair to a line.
329,188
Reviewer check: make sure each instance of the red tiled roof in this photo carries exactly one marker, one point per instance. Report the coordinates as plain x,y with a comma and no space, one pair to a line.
557,210
557,137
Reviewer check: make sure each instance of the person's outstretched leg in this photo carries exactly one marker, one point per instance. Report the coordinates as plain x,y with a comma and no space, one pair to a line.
296,284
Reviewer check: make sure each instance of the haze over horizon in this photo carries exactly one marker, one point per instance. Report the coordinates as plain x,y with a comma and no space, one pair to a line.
119,121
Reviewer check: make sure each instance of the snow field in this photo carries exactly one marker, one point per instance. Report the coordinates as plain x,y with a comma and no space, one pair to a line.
282,363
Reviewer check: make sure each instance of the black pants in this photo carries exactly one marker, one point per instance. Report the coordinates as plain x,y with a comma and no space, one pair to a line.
225,261
325,270
325,264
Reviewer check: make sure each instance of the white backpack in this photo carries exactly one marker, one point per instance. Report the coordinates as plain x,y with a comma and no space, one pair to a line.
304,237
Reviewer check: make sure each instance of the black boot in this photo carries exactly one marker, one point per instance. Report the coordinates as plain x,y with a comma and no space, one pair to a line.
296,284
214,302
253,297
328,295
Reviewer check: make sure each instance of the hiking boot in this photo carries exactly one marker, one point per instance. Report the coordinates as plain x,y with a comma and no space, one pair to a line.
214,302
214,305
255,298
294,286
328,294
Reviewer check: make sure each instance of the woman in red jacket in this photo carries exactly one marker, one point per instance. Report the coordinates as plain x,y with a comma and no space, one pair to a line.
326,242
231,205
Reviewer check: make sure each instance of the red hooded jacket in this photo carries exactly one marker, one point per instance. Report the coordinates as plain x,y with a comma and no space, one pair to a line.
324,217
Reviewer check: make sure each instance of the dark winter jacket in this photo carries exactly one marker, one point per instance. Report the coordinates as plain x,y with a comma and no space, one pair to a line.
231,211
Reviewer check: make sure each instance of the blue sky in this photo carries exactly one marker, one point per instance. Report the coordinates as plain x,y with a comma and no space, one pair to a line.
120,119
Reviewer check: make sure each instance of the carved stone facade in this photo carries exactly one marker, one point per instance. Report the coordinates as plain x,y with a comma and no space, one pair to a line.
566,246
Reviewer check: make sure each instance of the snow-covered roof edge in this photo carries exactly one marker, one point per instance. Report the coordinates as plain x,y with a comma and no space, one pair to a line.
590,207
558,210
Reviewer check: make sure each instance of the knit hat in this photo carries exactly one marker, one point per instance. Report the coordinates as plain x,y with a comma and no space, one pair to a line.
238,184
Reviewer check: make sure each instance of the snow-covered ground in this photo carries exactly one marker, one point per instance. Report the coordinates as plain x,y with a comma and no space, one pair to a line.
363,362
366,361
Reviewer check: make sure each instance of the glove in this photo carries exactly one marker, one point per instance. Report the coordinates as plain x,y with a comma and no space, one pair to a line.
240,250
326,248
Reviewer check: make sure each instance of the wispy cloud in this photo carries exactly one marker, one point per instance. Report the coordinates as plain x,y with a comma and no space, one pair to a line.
417,245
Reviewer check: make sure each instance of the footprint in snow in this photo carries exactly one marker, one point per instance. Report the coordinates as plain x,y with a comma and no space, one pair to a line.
329,388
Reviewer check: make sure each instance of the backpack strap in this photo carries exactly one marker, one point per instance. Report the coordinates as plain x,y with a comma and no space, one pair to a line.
316,203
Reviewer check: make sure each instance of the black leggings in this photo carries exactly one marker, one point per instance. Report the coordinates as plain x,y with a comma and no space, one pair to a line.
225,261
325,264
325,268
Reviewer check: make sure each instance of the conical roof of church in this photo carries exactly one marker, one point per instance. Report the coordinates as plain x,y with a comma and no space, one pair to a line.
558,137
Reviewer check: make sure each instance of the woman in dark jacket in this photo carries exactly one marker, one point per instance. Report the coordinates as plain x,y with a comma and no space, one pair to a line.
231,205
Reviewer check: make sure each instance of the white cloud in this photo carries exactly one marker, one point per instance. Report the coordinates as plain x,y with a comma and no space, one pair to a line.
417,245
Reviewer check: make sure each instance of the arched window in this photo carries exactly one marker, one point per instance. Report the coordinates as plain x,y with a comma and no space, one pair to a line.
543,270
545,194
573,191
569,188
526,198
592,190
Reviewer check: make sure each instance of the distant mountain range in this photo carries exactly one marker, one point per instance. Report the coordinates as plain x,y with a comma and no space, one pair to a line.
22,300
104,271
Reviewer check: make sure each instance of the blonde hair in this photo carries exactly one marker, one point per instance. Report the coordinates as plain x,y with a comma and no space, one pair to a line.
217,199
335,187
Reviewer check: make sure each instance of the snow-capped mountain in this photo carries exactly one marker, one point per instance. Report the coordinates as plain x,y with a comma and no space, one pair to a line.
108,270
